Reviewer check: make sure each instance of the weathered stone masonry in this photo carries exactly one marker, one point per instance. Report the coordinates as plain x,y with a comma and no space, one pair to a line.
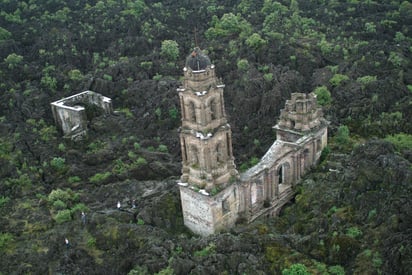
70,114
213,194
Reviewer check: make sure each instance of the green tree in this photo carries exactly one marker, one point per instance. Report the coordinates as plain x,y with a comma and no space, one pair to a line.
342,136
170,50
228,25
401,141
13,60
337,79
255,41
323,95
296,269
4,34
243,65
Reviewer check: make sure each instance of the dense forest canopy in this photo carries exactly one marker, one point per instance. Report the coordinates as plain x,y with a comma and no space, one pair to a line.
355,55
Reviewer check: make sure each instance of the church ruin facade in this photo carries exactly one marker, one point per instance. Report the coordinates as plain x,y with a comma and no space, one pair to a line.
214,195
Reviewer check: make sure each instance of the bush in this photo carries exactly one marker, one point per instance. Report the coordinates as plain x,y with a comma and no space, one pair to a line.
74,179
354,232
63,195
296,269
91,242
58,164
162,148
243,65
79,207
4,200
211,248
323,95
5,239
336,270
63,216
59,205
337,79
140,161
401,141
99,177
342,136
173,113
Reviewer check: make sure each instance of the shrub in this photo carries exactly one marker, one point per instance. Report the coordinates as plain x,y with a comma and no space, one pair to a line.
157,77
95,146
63,195
162,148
91,242
342,136
158,113
140,161
354,232
401,141
253,161
4,200
146,65
170,50
337,79
79,207
63,216
75,75
296,269
99,177
324,154
12,60
323,95
268,77
173,113
62,147
131,155
73,179
366,80
336,270
58,163
59,205
211,248
243,65
5,239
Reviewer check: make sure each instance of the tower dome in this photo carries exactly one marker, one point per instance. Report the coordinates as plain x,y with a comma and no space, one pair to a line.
197,60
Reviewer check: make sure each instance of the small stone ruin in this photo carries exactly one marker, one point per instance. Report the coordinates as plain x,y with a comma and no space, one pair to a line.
70,113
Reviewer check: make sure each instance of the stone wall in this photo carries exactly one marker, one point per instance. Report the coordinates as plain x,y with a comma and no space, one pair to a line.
70,114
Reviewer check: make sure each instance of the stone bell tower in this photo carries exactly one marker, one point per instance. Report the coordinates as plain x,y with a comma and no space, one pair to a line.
205,136
208,167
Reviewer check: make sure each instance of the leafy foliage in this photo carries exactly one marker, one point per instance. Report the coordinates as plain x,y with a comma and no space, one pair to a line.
170,50
296,269
401,141
323,95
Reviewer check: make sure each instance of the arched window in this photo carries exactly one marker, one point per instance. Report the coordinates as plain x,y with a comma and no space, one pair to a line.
213,109
283,173
194,156
253,193
192,112
219,152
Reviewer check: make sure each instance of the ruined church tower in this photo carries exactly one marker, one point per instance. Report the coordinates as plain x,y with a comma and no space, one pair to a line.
208,167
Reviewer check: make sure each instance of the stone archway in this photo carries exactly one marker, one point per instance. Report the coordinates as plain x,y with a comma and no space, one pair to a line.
283,176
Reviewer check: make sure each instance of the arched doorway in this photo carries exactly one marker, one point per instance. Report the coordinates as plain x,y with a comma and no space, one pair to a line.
283,176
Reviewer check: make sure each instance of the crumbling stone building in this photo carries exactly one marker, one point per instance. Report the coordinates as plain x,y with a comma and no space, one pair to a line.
70,113
214,195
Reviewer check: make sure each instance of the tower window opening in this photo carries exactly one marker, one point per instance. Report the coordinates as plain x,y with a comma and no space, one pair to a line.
225,206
